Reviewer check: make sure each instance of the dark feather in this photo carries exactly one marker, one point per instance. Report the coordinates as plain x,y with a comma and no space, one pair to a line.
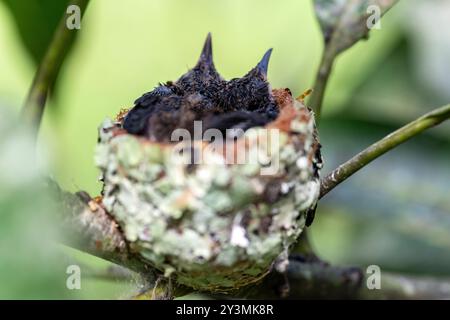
202,94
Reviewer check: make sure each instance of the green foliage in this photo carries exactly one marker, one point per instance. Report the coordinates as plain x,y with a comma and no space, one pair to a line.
128,47
36,22
28,264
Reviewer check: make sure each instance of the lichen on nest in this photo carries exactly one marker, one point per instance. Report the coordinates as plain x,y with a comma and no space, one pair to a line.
217,225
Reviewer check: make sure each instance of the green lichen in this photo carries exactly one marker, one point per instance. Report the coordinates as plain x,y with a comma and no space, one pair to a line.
210,225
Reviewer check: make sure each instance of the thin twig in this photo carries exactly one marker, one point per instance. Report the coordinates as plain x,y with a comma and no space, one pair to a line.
323,74
379,148
48,70
340,33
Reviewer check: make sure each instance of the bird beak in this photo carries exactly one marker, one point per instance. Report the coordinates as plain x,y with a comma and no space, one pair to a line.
206,58
263,65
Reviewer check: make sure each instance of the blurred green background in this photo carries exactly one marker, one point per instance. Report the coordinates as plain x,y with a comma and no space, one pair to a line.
395,213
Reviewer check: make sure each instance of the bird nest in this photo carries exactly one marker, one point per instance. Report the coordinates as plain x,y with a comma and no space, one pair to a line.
210,180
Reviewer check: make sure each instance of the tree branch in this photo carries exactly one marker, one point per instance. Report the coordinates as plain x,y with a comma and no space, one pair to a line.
343,24
323,74
112,273
48,70
379,148
86,226
89,228
320,280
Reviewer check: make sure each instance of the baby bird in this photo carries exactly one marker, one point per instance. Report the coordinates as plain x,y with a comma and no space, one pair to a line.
203,95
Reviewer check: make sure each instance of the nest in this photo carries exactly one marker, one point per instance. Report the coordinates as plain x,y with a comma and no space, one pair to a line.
227,218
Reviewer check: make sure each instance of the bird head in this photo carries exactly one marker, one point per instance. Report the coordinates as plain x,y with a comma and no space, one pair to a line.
201,94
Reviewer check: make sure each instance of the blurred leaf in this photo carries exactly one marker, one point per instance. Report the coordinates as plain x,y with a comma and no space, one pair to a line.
400,93
344,22
36,22
29,264
430,44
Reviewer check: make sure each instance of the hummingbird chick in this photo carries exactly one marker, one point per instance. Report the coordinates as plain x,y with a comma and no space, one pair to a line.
203,95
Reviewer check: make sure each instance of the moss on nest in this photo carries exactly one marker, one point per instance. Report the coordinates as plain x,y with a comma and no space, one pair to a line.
213,226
